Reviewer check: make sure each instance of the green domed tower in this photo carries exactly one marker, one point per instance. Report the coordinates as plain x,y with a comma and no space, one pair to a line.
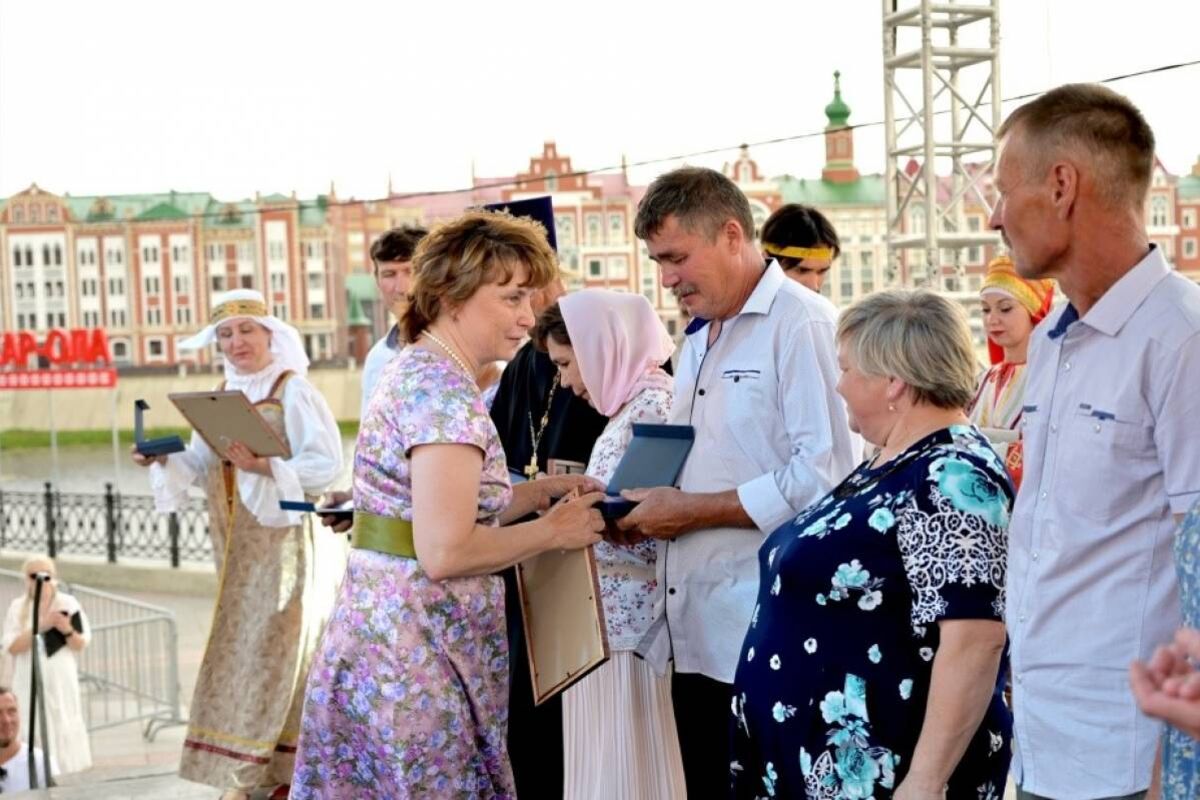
839,139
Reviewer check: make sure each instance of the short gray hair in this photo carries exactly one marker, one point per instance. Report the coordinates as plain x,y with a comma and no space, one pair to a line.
916,336
1096,123
701,199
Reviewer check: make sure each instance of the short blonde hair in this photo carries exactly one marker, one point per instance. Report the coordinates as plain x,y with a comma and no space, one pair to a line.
918,337
463,254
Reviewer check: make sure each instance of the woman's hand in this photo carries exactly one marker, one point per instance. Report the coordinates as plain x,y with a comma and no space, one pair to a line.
561,485
241,457
62,621
145,461
1168,686
574,522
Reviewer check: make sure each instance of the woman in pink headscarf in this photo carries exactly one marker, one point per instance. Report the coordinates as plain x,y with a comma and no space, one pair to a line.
618,724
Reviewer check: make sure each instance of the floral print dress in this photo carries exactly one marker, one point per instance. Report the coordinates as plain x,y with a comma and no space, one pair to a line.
408,692
1181,753
830,692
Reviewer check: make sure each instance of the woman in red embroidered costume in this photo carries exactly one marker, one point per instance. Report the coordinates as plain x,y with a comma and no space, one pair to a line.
1011,307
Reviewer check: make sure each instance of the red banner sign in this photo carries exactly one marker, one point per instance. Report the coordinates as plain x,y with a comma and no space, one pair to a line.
79,358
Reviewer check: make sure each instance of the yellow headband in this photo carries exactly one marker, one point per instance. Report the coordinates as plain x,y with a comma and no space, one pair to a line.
798,252
1033,295
238,308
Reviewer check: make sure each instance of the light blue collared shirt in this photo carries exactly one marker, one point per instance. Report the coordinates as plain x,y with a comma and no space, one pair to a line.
1112,452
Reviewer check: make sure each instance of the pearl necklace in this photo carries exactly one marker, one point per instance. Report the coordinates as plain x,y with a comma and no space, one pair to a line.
449,352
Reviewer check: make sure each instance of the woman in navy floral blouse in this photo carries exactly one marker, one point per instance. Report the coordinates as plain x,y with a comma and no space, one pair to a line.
872,665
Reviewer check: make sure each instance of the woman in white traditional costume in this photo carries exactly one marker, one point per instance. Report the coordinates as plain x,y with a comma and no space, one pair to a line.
63,631
277,577
619,735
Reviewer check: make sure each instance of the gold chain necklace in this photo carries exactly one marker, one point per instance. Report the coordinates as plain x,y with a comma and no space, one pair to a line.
531,471
453,356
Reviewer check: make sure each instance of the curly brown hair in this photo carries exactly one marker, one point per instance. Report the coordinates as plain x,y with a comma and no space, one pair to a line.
463,254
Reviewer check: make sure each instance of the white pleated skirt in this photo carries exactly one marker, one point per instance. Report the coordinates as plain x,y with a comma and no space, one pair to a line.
619,735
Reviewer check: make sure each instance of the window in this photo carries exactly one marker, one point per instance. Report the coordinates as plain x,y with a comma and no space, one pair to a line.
866,276
247,281
183,284
595,268
152,284
62,319
153,315
91,319
18,214
52,213
275,251
60,290
115,256
316,311
180,253
551,181
316,281
120,350
745,174
847,282
154,348
618,267
46,255
218,283
20,292
17,257
1189,247
278,281
150,254
116,286
565,230
245,251
616,228
117,319
1158,211
88,287
1189,218
183,315
593,229
279,310
58,255
22,326
917,219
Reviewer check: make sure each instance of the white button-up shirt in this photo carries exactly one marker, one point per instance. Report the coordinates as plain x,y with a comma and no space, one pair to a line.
768,424
1112,450
377,358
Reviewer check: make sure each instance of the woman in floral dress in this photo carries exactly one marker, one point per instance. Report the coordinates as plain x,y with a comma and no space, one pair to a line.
408,692
618,723
872,664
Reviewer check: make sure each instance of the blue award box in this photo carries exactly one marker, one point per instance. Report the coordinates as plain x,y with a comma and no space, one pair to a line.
655,457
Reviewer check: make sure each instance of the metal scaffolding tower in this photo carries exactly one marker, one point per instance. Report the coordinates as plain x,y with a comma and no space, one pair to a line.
941,65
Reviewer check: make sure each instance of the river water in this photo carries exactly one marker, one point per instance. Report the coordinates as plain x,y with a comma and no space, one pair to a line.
88,468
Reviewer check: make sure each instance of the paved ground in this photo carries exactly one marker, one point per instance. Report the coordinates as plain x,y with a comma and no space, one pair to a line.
129,768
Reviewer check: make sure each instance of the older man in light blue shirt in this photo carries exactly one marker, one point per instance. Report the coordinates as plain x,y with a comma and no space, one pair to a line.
1112,448
756,379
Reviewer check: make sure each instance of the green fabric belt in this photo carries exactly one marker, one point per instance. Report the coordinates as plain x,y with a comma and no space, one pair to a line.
383,535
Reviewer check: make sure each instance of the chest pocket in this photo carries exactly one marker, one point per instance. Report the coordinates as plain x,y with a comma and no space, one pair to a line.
746,394
1099,446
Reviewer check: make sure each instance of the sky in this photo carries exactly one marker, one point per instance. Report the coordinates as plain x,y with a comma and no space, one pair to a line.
234,97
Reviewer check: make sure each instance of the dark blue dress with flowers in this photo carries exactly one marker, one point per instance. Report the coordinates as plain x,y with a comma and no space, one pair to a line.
830,692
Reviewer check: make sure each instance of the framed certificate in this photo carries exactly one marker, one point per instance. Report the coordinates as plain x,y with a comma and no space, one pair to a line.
223,418
565,634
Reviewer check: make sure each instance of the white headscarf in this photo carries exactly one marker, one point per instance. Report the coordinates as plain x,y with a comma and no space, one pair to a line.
287,350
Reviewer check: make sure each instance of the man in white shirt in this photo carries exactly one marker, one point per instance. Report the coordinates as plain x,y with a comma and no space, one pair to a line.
14,754
1112,448
391,255
756,379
